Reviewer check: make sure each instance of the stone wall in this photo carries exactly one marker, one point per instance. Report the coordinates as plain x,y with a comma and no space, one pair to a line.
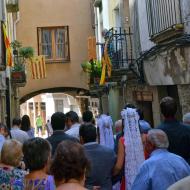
184,97
131,88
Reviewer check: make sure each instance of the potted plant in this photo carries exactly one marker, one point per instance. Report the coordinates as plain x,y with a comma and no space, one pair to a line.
12,6
86,66
21,54
26,52
94,68
16,45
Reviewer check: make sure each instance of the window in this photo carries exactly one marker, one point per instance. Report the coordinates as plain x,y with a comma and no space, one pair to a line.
31,106
53,42
43,106
59,106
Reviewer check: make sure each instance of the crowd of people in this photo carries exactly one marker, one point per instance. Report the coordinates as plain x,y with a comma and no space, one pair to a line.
87,155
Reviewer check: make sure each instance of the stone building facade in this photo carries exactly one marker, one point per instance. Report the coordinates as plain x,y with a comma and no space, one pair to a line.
161,45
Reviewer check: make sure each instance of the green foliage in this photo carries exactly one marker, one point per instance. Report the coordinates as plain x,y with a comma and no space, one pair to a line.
16,45
86,66
26,52
96,69
18,67
20,55
92,67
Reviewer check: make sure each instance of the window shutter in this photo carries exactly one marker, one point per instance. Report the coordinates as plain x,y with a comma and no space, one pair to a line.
92,48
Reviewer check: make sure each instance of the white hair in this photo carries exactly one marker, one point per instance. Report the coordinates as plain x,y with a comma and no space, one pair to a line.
158,138
186,118
118,123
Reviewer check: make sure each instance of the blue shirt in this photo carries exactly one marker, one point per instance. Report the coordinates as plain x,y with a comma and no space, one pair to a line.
160,171
144,126
2,140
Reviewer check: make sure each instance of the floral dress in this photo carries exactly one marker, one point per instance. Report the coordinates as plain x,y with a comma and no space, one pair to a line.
11,178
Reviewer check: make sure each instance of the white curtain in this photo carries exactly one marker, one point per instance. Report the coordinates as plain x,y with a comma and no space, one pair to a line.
47,43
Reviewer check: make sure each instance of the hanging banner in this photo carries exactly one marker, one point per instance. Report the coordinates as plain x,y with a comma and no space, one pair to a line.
9,59
38,67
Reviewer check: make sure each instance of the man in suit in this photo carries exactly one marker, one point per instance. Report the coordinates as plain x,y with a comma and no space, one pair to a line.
102,159
178,133
58,125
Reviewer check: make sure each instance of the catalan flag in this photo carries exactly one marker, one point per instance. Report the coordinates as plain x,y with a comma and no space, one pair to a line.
38,67
106,63
9,59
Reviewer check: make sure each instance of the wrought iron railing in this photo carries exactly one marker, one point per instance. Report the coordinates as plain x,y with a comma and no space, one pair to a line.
162,15
118,47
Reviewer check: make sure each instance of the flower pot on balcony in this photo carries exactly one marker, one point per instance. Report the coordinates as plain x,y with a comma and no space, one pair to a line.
12,7
18,78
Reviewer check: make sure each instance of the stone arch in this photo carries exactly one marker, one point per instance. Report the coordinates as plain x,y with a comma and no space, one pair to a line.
68,90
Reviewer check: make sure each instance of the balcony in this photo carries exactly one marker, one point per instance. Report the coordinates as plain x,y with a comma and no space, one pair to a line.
118,48
164,19
12,6
18,72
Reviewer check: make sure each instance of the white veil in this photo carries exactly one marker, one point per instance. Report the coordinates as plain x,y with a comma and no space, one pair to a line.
105,125
134,154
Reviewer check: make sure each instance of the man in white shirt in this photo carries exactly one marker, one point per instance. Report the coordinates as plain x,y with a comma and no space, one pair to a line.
17,133
73,125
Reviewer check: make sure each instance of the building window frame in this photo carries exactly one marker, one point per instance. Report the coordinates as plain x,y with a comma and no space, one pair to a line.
54,58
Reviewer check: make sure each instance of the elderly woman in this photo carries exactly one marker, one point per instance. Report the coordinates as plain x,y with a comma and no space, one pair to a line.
11,156
37,155
69,166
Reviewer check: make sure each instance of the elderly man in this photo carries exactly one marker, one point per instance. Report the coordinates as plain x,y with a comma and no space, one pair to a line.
178,133
163,168
182,184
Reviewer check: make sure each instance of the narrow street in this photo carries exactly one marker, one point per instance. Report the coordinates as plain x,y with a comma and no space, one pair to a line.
120,67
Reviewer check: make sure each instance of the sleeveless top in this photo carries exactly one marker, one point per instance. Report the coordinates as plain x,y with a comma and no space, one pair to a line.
40,184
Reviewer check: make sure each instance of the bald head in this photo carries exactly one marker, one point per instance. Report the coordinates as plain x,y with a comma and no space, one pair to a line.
158,138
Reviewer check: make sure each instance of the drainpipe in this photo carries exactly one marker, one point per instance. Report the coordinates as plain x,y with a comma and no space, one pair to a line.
15,23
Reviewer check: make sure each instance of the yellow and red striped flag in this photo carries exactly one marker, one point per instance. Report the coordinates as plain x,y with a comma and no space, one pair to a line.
9,59
106,63
38,67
